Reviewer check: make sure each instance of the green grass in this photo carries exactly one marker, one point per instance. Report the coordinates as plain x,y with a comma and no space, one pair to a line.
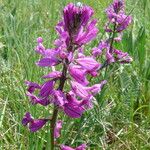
121,118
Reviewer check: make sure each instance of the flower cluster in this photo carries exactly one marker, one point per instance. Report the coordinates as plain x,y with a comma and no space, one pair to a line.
76,29
117,22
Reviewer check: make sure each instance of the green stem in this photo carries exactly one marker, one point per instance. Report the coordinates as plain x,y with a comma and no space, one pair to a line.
112,39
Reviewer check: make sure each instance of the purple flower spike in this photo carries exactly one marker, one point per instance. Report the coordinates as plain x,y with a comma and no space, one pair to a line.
37,124
32,86
27,118
116,15
47,88
81,147
57,129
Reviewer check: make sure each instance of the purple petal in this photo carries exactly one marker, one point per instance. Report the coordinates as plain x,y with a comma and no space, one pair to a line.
81,147
79,90
73,108
54,74
40,49
47,62
64,147
89,63
47,88
78,73
32,86
57,129
39,40
122,57
27,119
97,87
58,97
35,100
37,124
109,57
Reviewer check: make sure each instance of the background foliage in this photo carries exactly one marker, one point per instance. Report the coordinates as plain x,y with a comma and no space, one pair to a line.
121,117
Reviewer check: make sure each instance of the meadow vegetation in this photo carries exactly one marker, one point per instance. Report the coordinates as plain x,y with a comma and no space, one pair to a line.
120,119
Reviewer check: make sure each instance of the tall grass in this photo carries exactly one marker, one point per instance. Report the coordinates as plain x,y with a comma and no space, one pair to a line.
121,117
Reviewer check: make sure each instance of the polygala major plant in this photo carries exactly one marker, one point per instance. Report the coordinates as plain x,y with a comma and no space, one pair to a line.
67,87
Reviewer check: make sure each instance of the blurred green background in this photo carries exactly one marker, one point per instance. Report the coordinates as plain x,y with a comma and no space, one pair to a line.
121,118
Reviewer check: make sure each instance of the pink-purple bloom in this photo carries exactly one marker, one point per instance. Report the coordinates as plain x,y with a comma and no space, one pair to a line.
116,15
81,147
47,88
54,74
73,107
32,86
57,129
34,124
78,73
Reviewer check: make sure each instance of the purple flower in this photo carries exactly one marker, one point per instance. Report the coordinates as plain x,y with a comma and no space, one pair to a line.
76,16
73,108
123,22
34,124
89,63
58,98
122,57
27,118
81,147
96,88
54,74
78,73
47,88
57,129
40,48
109,57
50,58
37,124
119,38
47,62
32,86
39,40
117,7
42,101
86,35
97,51
79,90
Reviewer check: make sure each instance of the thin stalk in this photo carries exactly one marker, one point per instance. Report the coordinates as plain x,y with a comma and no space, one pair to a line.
55,111
112,39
